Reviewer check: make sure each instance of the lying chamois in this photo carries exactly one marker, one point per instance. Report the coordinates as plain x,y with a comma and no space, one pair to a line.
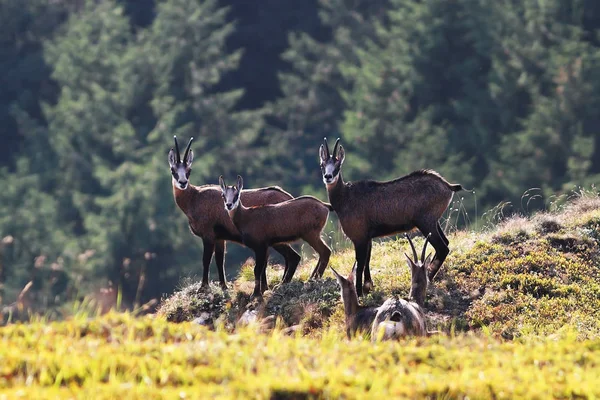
263,226
396,317
207,219
370,209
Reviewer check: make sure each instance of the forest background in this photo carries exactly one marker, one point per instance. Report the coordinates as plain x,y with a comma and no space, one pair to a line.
499,95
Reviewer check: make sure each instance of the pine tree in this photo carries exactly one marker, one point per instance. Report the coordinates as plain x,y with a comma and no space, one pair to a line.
312,106
420,96
186,50
555,56
24,75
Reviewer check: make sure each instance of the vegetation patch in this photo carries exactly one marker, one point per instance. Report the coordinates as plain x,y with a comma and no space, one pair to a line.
192,301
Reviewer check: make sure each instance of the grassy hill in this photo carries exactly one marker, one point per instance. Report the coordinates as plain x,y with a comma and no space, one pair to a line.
517,304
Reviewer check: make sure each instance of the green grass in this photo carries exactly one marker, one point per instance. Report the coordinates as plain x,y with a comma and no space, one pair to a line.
517,304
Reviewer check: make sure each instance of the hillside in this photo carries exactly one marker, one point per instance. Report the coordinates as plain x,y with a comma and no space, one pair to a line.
518,306
525,276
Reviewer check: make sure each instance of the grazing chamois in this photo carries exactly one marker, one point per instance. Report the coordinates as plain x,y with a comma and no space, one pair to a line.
203,207
262,226
396,317
369,209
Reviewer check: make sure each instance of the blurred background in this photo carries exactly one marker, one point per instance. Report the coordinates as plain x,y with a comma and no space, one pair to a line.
502,96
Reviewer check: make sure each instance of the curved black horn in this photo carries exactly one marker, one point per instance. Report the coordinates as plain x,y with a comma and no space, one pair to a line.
177,149
425,248
326,147
335,146
187,150
412,246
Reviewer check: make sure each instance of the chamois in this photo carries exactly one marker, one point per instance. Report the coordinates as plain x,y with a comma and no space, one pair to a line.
262,226
396,317
369,209
358,318
207,219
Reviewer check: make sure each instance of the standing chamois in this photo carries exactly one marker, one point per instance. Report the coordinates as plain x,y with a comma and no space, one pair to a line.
370,209
396,317
208,220
262,226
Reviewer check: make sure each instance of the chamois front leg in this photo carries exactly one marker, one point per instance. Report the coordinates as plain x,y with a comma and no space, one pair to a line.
260,267
361,249
209,249
368,285
264,286
220,260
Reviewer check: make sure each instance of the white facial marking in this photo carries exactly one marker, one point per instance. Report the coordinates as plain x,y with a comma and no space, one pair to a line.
229,196
329,170
181,174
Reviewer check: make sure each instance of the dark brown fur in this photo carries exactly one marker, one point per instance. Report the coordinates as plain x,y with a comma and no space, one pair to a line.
266,225
203,207
370,209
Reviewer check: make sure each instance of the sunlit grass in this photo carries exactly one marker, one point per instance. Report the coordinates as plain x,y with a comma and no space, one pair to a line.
517,306
147,357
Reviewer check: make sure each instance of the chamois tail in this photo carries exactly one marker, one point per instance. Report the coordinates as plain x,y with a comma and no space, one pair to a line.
459,187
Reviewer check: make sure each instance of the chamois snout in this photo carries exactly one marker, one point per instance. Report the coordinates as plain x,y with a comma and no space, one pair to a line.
182,183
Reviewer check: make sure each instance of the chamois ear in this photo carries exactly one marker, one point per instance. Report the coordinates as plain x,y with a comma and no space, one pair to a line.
352,276
409,261
341,154
427,259
240,183
190,158
323,153
222,184
172,158
337,276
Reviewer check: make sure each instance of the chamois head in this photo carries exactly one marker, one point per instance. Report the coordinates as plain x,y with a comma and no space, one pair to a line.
181,169
418,272
231,194
348,291
331,163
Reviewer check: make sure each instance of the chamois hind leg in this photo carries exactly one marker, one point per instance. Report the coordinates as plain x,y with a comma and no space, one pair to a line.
317,243
292,259
209,249
361,249
440,246
441,232
220,260
368,285
260,266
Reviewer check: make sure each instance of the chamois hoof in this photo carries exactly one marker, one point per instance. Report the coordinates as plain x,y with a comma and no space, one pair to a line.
256,298
367,287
